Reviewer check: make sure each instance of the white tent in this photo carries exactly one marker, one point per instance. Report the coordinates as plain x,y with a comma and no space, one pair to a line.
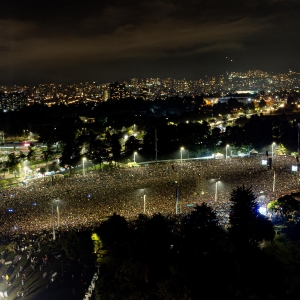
253,152
218,155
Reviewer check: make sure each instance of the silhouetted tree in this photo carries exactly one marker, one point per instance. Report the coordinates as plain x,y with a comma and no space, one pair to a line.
200,227
262,103
115,147
97,151
13,164
132,144
114,233
70,155
78,245
247,225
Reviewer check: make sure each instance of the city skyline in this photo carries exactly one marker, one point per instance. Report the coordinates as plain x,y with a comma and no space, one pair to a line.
74,41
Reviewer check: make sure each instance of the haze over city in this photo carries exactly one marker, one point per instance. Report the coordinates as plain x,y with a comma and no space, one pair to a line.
75,41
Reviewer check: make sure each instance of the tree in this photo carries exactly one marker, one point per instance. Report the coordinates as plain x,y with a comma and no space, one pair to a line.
234,103
70,155
247,225
78,245
285,205
48,154
22,156
262,103
54,166
97,151
154,238
290,100
132,144
43,170
48,135
115,148
132,279
199,229
31,153
258,131
149,141
114,233
13,164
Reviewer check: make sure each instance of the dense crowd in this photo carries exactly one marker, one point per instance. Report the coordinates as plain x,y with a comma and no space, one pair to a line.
83,201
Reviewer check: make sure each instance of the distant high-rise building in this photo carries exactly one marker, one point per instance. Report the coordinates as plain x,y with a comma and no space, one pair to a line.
105,95
222,79
134,82
117,91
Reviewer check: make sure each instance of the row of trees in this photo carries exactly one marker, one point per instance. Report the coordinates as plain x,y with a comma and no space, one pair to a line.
16,161
198,138
104,138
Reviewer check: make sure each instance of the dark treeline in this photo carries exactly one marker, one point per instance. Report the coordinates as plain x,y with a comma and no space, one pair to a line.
180,122
192,257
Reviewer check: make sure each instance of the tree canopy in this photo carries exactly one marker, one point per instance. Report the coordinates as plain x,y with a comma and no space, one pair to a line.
247,225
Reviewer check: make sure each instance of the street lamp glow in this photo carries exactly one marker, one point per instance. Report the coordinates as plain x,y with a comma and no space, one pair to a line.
144,201
134,154
216,191
273,148
181,149
83,169
176,203
226,151
53,227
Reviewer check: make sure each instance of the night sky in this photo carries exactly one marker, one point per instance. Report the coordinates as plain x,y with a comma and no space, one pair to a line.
76,41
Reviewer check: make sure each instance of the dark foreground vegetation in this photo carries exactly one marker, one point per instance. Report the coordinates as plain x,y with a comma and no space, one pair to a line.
192,257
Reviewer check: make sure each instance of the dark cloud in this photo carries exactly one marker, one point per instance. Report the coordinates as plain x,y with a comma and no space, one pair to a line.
110,40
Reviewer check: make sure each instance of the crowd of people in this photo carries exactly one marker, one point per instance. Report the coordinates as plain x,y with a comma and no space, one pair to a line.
84,201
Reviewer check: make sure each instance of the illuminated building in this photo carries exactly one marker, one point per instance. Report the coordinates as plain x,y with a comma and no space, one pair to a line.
117,91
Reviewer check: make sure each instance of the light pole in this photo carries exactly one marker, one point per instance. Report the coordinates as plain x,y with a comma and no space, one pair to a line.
176,203
226,151
298,137
216,191
144,202
274,182
83,170
25,134
58,219
181,149
273,148
155,145
2,144
53,227
134,154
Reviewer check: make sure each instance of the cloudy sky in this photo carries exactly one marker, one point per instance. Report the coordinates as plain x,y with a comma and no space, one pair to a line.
67,41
